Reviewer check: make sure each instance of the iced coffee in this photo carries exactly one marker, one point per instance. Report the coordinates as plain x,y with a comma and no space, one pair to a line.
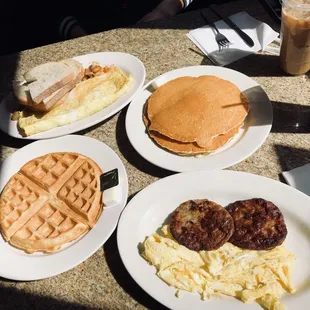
295,36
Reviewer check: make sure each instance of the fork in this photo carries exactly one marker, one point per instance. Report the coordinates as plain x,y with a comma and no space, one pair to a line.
221,40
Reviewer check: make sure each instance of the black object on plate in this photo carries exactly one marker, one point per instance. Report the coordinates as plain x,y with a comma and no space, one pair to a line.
233,26
109,179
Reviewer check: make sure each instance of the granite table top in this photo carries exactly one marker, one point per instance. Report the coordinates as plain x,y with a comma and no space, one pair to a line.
102,282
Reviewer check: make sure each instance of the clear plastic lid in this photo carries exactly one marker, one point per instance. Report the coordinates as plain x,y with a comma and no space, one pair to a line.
303,5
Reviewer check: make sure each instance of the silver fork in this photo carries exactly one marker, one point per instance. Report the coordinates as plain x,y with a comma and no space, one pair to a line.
221,40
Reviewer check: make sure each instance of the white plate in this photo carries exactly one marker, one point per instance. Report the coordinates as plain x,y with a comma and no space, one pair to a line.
16,264
128,63
149,209
254,132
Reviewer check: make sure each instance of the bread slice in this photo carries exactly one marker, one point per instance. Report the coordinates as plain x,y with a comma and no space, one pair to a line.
50,102
22,93
41,107
47,78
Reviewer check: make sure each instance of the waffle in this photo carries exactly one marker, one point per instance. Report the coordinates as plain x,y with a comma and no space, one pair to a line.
51,200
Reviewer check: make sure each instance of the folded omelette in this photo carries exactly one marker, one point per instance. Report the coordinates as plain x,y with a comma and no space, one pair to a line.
87,98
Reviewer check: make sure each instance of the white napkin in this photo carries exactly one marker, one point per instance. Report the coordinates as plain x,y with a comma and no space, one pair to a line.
261,33
299,178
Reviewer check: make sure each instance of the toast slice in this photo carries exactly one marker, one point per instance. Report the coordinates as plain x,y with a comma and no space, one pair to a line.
54,100
22,93
47,78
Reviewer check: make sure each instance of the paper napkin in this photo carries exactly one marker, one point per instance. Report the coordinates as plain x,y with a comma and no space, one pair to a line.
299,178
261,33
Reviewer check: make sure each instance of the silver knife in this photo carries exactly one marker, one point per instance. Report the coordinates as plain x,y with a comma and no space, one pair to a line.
233,26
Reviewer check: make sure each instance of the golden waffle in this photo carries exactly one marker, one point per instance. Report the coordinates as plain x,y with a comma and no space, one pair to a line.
51,200
196,109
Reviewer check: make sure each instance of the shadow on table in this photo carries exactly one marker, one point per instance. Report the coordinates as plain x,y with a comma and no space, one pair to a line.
192,20
12,299
8,65
124,279
121,275
258,65
8,141
253,65
131,154
290,118
291,157
226,55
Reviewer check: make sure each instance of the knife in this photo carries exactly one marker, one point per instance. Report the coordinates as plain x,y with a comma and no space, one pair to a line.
233,26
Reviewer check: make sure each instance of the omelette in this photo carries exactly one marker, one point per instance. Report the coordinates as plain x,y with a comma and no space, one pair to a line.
88,97
251,276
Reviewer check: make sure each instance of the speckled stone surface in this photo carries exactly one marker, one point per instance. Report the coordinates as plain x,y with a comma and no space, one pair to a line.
102,282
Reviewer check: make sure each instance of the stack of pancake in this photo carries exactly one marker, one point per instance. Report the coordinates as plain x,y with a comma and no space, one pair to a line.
195,115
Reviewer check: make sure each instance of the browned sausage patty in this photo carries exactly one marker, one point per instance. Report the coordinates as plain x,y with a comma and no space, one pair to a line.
201,225
259,224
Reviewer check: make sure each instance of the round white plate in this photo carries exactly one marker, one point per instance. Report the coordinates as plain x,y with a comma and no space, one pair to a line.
150,208
128,63
252,135
16,264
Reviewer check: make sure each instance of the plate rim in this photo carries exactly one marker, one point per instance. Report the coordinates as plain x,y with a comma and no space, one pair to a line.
95,248
124,255
112,113
131,138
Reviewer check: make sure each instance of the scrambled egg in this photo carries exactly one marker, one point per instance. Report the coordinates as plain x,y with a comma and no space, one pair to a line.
251,276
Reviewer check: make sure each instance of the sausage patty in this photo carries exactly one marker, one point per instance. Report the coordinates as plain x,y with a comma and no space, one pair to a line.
259,224
201,225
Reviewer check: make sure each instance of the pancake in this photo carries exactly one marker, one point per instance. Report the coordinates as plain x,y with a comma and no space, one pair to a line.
196,109
169,94
185,148
189,148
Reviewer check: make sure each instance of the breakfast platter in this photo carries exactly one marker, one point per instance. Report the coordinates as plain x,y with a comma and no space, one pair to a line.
54,211
170,125
207,245
219,239
106,81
